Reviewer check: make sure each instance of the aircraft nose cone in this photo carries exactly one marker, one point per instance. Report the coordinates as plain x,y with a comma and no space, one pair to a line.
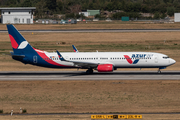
173,61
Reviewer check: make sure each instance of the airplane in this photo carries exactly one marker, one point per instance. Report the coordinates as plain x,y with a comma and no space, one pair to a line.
100,61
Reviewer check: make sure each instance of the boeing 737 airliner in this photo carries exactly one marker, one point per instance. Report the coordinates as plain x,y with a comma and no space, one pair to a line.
100,61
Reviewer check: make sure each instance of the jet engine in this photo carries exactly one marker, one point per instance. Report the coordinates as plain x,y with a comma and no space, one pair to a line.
105,68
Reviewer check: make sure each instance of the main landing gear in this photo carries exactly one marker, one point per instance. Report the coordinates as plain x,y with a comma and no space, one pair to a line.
159,70
89,71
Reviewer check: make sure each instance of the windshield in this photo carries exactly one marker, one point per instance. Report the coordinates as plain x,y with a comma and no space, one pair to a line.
165,57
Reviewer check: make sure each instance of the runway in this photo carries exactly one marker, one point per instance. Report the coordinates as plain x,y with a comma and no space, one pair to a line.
79,75
99,30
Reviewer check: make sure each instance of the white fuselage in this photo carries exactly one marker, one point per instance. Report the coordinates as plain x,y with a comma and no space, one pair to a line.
118,59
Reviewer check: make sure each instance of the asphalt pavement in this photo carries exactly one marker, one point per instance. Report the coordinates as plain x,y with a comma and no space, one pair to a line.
79,75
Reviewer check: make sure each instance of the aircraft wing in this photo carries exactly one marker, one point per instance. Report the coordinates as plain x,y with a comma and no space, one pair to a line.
79,64
85,64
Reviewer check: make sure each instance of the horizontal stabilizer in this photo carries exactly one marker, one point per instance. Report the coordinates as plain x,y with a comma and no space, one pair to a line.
16,55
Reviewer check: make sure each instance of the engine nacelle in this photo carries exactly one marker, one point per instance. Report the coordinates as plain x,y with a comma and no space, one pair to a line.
105,68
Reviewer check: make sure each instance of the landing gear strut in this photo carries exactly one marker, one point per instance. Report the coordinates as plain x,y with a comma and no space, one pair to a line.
89,71
159,70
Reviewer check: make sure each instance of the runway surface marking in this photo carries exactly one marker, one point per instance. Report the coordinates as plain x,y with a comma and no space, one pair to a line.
73,75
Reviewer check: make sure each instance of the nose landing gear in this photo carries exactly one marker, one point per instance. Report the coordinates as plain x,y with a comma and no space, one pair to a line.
159,70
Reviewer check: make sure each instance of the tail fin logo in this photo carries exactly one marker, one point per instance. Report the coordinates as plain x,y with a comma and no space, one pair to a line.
23,45
130,60
15,44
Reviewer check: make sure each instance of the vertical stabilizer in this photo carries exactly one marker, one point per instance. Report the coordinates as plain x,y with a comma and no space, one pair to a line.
19,44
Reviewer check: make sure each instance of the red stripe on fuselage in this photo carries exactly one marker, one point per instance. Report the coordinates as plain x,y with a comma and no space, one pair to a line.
46,58
13,42
128,59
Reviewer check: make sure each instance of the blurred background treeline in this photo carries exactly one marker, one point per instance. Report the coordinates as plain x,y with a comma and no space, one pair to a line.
46,8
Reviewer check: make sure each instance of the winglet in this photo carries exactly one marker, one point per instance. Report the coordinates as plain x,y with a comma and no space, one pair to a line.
60,56
75,49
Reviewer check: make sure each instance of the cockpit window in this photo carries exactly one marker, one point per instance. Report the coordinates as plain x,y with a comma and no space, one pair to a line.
166,57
